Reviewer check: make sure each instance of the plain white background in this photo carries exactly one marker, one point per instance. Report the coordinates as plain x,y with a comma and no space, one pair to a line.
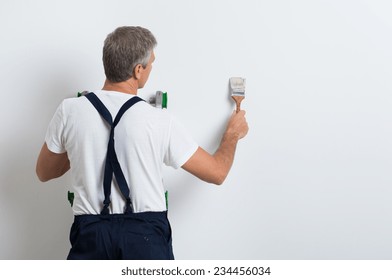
312,180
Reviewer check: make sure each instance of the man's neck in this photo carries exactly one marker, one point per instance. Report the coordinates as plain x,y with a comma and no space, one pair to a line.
128,87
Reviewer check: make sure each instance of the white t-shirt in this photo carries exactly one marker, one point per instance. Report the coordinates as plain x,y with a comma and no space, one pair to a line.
145,138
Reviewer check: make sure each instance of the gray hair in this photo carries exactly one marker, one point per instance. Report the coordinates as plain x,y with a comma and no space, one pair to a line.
124,48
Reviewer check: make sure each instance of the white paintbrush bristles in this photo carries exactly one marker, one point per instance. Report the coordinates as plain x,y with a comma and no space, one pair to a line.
237,86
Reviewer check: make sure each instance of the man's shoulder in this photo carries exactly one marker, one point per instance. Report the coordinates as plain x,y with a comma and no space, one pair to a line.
74,101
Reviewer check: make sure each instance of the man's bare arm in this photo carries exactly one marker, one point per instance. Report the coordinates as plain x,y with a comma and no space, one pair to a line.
51,165
214,168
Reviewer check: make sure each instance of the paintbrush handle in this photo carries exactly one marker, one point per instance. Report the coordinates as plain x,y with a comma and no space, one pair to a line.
238,100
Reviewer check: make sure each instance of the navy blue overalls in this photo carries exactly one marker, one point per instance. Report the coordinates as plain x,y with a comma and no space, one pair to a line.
133,236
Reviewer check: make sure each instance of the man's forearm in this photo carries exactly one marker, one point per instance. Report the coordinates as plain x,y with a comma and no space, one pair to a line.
214,168
224,156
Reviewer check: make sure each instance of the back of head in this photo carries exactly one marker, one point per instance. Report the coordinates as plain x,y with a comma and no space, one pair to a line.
125,48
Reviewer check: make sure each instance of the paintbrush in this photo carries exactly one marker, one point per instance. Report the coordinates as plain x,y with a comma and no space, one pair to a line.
237,91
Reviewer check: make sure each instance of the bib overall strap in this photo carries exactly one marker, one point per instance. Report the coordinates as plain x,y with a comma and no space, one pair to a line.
112,165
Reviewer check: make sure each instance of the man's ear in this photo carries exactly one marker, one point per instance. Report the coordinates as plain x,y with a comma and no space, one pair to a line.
137,71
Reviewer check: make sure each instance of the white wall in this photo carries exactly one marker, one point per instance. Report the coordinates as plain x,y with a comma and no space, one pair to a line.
312,180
